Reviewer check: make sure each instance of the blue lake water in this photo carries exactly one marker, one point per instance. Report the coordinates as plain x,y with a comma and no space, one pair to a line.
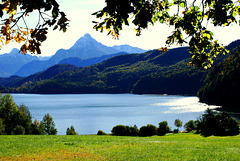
89,113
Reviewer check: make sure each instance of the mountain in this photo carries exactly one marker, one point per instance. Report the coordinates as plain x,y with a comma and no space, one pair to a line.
87,62
34,67
123,74
44,57
11,62
84,48
128,49
87,47
3,74
15,81
153,72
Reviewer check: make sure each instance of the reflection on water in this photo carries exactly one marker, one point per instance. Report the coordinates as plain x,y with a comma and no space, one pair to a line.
185,105
89,113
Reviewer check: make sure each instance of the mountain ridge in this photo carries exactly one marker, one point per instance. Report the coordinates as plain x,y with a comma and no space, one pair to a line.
152,72
11,62
85,48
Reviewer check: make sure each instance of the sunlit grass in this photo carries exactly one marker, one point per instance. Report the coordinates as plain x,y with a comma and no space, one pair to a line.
93,147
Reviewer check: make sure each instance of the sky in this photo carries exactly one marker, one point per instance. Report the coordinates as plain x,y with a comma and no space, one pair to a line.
79,13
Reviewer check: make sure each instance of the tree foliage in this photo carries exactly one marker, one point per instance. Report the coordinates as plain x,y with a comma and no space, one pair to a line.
222,83
100,132
148,130
219,124
178,123
48,125
190,20
17,120
163,128
123,130
15,11
190,125
14,119
71,131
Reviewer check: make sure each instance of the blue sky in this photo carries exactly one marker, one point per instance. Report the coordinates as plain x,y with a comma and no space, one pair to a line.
79,12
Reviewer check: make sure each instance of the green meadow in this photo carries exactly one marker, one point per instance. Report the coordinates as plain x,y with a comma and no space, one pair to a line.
182,146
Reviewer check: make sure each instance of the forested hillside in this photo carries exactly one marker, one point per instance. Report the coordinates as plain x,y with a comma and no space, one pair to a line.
222,85
137,73
22,82
153,72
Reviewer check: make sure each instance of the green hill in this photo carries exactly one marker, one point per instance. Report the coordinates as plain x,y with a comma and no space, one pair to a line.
121,74
153,72
222,84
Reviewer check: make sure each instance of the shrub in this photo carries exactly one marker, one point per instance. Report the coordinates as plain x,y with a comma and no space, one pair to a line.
100,132
18,130
71,131
2,127
123,130
227,125
120,130
190,126
188,129
133,131
148,130
163,128
175,131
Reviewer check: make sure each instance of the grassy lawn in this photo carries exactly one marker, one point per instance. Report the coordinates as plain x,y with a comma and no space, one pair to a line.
93,147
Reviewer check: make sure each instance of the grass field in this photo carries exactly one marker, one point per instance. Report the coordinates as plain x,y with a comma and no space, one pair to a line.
93,147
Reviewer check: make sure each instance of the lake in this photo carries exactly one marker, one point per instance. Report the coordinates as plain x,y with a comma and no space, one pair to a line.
89,113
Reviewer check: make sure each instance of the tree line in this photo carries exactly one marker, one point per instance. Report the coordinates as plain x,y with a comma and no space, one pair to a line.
210,123
17,120
150,72
221,85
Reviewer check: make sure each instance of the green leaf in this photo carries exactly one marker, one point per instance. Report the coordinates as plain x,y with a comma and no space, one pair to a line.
54,14
196,8
182,4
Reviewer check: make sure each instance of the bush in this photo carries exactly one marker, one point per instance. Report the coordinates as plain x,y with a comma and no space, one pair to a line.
71,131
18,130
122,130
148,130
219,124
100,132
163,128
175,131
133,131
227,125
190,126
2,127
